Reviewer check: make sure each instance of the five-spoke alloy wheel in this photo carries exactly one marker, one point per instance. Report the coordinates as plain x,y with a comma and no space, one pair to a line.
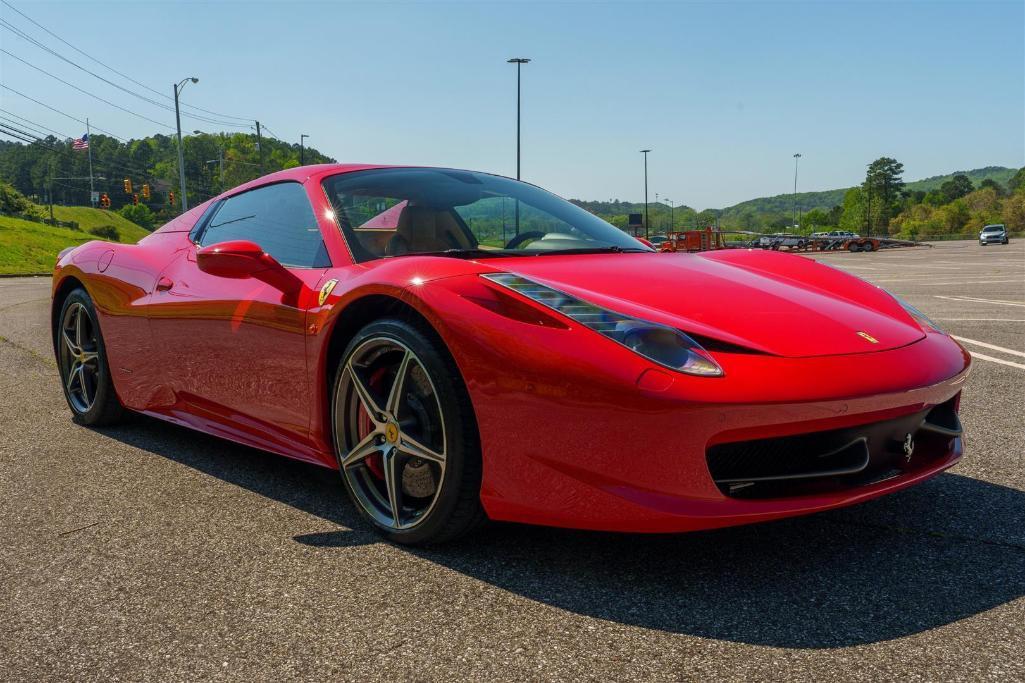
82,360
404,438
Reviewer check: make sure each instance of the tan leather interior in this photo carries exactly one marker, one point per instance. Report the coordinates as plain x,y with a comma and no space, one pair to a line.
422,228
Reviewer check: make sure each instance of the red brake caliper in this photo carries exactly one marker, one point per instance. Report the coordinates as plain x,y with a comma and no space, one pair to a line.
365,425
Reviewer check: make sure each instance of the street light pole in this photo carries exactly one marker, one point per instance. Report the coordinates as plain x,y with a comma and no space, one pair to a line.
302,149
645,153
181,154
796,157
672,213
519,62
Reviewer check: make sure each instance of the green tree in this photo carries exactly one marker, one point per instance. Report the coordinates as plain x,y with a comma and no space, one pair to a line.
139,214
883,186
853,216
1018,181
957,187
991,184
814,220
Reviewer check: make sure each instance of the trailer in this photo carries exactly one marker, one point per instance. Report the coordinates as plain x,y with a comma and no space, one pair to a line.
827,243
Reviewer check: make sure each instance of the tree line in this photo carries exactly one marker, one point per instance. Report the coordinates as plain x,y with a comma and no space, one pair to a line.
50,170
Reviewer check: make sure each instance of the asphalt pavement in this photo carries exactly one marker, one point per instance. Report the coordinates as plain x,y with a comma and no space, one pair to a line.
149,552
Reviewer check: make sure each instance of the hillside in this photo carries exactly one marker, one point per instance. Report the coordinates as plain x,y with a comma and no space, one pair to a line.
826,199
89,218
30,247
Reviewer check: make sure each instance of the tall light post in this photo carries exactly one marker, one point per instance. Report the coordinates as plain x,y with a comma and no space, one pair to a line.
645,153
519,62
672,213
796,157
181,154
302,149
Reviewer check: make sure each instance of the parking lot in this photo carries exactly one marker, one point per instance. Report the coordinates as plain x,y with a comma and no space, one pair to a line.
151,552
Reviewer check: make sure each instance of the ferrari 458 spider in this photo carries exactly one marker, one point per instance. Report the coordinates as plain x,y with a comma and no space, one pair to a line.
463,346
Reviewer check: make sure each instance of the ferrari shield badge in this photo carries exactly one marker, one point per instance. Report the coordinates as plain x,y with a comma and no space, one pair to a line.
325,291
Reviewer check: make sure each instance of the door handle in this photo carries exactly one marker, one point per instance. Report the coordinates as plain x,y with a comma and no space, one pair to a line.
164,284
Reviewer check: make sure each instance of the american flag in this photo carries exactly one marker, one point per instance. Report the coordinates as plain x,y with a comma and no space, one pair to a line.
81,143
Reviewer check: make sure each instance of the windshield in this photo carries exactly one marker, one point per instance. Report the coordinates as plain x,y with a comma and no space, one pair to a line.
993,228
402,211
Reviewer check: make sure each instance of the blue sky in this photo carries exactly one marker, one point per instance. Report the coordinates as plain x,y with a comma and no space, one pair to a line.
724,93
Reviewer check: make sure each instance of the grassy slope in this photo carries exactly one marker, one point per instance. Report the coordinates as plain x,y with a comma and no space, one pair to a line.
28,247
89,218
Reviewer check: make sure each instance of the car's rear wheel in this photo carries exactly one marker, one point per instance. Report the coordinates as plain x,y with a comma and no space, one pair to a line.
405,437
82,359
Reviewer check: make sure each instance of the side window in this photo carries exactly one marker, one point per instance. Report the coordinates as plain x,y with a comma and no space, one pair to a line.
277,217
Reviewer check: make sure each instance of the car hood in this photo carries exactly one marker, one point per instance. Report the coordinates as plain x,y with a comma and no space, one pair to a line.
767,302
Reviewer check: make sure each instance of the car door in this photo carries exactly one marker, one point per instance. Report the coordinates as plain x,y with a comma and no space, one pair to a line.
235,347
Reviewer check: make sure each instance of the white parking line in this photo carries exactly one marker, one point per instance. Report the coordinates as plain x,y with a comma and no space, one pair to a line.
967,299
980,356
993,347
958,282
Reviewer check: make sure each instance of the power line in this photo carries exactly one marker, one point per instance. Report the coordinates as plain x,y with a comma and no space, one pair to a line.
85,92
21,121
123,75
58,111
149,100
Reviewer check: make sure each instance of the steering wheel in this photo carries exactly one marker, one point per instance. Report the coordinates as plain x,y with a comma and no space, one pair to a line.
523,237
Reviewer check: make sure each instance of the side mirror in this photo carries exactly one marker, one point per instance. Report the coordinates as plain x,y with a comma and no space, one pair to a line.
239,259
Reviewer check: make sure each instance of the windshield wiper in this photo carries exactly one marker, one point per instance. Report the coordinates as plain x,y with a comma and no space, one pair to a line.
611,249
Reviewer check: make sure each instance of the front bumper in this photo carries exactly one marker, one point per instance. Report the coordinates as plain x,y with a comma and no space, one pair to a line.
577,431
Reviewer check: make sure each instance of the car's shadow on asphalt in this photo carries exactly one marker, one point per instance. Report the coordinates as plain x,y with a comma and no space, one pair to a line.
943,551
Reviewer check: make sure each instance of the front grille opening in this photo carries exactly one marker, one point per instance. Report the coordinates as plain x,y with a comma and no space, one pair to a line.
825,461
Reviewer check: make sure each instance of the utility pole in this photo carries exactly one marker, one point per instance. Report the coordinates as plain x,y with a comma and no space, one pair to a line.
302,149
672,213
645,153
259,146
89,150
796,157
181,149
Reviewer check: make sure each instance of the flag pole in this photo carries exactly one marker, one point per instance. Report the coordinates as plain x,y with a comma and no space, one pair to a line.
89,149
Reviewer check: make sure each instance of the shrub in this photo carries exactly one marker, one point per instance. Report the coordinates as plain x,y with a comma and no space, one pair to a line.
12,201
107,232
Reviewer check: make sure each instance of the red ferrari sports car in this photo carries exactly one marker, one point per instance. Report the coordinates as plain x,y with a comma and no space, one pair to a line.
463,347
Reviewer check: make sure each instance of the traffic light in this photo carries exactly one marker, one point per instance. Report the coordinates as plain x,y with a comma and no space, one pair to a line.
170,198
145,191
135,199
128,186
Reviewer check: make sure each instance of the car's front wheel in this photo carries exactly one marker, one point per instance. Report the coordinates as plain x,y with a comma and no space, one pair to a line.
82,359
405,436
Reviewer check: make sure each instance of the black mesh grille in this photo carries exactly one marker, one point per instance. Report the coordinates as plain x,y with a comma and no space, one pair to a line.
816,461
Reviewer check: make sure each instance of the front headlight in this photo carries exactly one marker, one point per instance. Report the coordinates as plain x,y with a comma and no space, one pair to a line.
921,318
658,343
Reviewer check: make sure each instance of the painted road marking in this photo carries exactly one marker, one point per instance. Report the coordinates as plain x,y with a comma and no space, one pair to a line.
980,356
993,347
967,299
957,282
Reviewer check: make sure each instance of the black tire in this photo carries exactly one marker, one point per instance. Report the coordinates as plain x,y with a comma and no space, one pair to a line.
456,508
853,247
94,403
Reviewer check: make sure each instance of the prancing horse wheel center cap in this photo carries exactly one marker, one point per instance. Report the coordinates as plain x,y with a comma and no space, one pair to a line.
391,432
